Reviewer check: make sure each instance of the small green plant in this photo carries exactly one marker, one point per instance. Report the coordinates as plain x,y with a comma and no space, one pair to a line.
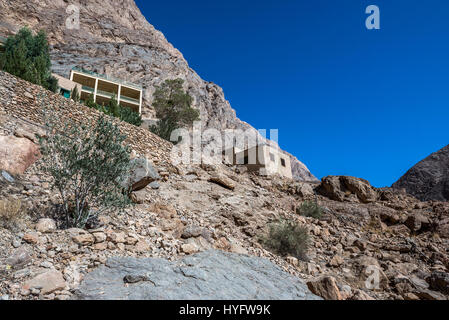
285,238
114,107
129,115
115,110
88,163
310,209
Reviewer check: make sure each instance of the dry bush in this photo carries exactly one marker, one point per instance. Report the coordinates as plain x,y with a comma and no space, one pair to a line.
310,209
286,237
11,212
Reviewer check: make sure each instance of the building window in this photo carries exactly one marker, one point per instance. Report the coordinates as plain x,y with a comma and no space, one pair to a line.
272,157
283,162
65,93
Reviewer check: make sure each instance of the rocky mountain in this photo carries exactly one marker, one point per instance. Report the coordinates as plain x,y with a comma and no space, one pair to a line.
122,43
367,243
429,179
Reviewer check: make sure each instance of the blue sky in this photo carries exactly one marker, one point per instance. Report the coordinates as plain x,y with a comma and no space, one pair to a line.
346,100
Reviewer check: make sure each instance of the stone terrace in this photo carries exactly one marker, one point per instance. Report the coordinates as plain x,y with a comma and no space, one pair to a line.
24,100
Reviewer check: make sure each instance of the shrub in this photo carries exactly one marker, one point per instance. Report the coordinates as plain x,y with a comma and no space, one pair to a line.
11,212
88,163
173,108
114,109
75,95
285,237
310,209
28,57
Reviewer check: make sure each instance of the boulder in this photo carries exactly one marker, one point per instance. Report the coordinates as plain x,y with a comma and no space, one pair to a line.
192,231
142,174
416,221
325,287
6,177
46,225
84,239
222,181
20,256
203,276
343,188
47,282
360,187
31,237
17,154
332,188
189,248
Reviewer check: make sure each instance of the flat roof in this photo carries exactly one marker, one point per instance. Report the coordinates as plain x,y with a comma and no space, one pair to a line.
108,78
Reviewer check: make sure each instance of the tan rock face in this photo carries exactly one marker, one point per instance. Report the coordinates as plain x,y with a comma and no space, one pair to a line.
84,239
31,237
343,188
17,154
222,181
47,282
325,287
189,248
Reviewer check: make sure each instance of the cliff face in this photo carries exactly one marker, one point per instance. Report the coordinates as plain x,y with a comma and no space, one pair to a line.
429,179
115,38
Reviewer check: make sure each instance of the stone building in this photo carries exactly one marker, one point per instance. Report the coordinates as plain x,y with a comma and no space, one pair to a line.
105,87
263,158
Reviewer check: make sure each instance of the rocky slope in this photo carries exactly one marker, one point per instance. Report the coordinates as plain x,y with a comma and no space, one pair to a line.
429,179
364,234
123,44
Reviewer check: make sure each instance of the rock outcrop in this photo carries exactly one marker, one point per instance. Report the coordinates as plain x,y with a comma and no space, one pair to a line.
17,154
121,43
429,179
344,188
210,275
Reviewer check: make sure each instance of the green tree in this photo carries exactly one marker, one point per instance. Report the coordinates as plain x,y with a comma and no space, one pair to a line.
129,115
90,102
114,107
75,95
28,57
88,164
173,108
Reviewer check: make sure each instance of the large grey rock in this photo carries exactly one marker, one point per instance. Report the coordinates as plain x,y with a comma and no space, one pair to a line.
203,276
429,179
142,174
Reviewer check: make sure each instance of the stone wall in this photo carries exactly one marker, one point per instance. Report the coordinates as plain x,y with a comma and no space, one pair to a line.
25,102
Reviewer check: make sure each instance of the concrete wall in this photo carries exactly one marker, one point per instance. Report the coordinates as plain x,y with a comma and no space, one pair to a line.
66,83
265,159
